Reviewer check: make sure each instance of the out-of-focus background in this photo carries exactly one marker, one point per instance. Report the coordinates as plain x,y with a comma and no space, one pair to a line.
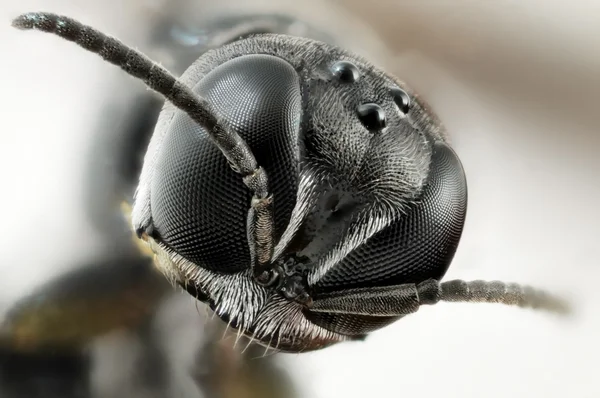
517,85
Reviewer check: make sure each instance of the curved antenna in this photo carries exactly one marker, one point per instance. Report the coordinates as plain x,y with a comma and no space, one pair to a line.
136,64
155,76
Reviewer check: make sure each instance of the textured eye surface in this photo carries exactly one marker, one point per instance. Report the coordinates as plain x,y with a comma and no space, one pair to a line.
345,71
401,99
372,116
419,246
199,204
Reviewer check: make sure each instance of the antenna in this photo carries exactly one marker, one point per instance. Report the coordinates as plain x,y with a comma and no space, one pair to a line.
153,75
479,291
400,300
238,153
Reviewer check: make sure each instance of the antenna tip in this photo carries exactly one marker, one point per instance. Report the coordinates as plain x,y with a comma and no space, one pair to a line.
24,21
33,20
556,304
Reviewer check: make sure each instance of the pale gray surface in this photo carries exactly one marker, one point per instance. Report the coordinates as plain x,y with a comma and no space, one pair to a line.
518,88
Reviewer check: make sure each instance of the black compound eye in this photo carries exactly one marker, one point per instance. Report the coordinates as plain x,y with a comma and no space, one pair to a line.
401,99
345,72
371,116
417,246
199,204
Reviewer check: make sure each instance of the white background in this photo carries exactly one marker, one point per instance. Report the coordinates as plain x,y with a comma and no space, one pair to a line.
518,87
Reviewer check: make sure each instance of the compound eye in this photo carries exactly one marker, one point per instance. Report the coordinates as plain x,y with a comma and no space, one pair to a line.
421,244
418,246
372,116
199,204
345,71
401,99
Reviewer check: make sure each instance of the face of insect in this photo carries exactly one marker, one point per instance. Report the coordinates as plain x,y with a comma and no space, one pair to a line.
306,196
366,192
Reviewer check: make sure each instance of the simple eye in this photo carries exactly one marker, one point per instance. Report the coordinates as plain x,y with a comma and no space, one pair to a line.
372,116
345,72
401,99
